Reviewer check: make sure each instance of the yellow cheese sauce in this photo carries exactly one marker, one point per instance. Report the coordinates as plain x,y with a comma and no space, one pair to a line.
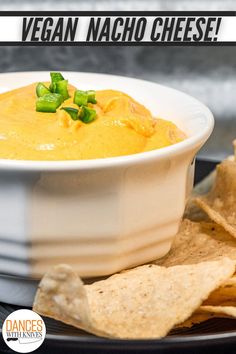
122,127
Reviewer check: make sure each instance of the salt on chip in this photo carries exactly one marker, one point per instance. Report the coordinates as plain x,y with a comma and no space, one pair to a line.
220,202
199,242
145,302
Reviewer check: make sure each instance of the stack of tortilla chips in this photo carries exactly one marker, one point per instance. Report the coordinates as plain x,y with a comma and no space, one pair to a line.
195,281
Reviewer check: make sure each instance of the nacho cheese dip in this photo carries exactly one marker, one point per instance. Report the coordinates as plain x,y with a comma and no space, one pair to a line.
122,127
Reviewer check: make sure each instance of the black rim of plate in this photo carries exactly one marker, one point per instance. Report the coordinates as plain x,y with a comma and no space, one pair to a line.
180,338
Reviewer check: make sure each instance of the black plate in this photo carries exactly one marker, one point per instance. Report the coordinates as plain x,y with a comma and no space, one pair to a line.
218,335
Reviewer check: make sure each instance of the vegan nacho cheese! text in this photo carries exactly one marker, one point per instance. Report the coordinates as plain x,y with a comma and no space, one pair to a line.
118,125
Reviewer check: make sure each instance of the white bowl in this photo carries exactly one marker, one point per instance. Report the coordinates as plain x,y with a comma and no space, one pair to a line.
100,215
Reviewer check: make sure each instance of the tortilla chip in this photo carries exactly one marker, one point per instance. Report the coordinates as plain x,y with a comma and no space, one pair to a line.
221,304
199,242
219,311
232,157
220,202
197,317
192,210
205,185
61,288
234,145
229,283
205,313
225,295
145,302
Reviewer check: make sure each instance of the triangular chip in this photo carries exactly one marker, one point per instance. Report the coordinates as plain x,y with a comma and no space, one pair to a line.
225,295
220,303
61,295
199,242
205,185
192,210
219,311
145,302
205,313
197,317
220,202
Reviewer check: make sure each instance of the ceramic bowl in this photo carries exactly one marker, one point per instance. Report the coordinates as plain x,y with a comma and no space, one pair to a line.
100,215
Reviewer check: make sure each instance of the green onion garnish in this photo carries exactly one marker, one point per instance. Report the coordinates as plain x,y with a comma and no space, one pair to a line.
55,77
87,114
61,88
49,102
81,98
91,96
41,89
73,112
49,99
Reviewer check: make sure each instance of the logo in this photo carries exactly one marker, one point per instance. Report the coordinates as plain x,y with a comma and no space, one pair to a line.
23,331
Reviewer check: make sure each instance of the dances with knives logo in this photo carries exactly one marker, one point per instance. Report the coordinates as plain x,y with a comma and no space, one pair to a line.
24,331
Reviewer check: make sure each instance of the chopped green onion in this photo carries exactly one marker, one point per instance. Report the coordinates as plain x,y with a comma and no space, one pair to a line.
41,89
81,98
49,102
49,99
73,112
53,87
55,77
91,96
87,115
62,89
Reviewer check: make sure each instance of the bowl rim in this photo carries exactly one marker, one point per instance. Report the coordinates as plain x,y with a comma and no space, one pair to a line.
190,143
